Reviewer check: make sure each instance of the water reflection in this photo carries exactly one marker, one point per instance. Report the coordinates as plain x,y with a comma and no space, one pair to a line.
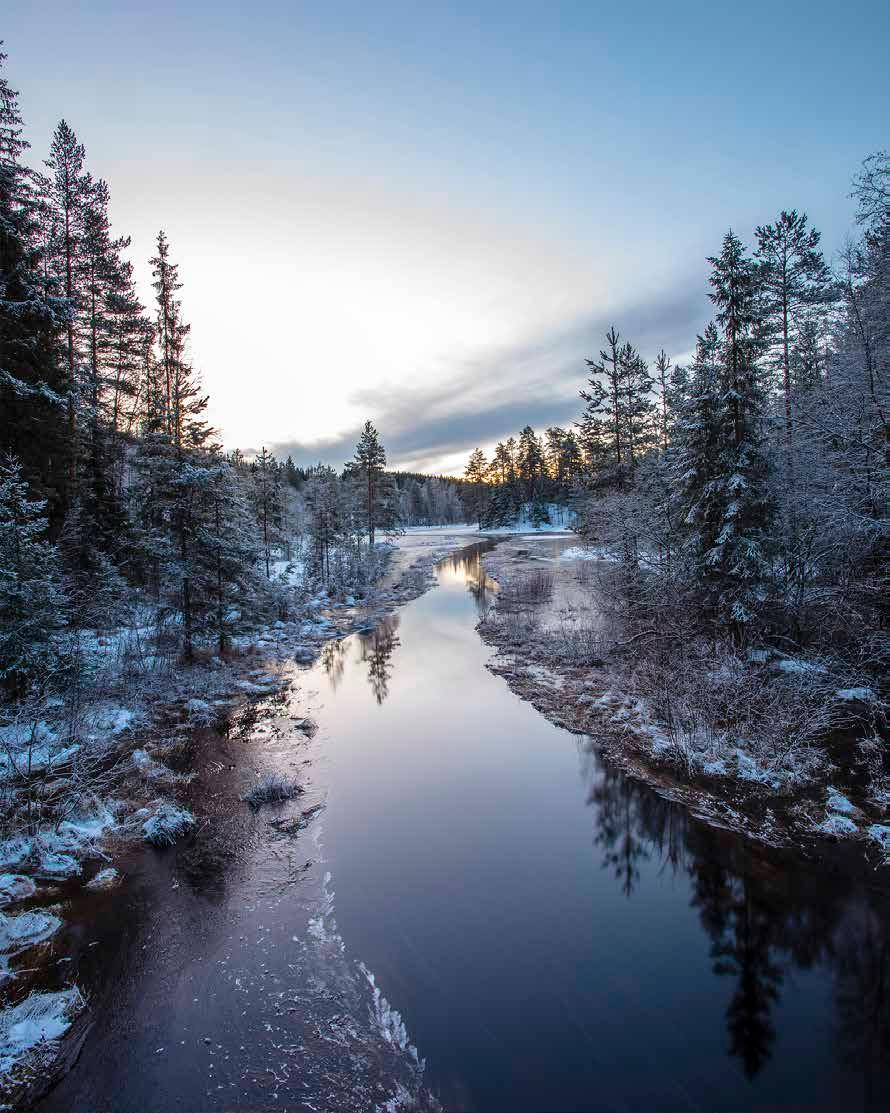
764,917
466,566
376,651
333,660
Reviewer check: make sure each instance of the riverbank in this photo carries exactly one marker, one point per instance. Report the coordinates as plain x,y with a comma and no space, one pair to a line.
165,771
557,652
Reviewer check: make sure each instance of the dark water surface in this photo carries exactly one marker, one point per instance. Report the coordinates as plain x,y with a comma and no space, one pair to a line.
555,935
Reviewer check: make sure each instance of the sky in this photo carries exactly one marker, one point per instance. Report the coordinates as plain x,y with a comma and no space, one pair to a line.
427,214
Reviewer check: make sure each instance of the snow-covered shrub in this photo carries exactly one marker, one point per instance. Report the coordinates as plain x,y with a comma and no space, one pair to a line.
30,1030
168,824
270,789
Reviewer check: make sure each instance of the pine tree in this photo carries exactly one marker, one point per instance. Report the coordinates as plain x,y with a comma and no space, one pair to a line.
267,501
175,459
599,429
225,551
66,191
476,474
663,388
723,469
32,381
636,415
734,293
376,491
795,284
530,463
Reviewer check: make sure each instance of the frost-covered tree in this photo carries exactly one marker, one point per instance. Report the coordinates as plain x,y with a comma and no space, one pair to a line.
32,604
375,490
66,191
267,502
723,469
476,474
795,285
32,380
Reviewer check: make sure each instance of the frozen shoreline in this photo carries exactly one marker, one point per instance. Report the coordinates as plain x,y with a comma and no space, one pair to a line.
588,699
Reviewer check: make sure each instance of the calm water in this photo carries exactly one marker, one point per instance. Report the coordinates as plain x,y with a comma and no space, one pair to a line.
558,937
555,936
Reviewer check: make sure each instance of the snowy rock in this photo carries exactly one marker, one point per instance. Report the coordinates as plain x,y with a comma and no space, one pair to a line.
303,655
15,887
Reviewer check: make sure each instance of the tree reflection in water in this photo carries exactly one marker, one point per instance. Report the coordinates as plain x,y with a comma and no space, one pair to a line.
765,916
333,659
467,565
376,650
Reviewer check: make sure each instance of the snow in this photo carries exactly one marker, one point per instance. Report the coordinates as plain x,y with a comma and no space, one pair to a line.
17,933
17,739
199,711
837,825
880,833
167,825
387,1020
577,552
105,879
837,802
795,665
862,695
15,850
15,887
36,1023
112,721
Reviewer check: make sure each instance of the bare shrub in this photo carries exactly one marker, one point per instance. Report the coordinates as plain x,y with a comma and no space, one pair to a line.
533,587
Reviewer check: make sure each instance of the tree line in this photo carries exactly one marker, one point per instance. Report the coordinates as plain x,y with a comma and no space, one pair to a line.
527,471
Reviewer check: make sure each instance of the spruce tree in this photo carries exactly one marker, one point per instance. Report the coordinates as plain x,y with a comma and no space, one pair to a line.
32,381
795,284
66,191
376,492
476,475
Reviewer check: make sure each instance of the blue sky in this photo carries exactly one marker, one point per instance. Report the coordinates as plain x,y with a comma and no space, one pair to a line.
426,214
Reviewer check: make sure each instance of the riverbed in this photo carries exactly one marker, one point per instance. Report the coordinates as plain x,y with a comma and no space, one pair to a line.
465,884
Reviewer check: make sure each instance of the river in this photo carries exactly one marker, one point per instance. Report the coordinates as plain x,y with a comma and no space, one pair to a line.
555,935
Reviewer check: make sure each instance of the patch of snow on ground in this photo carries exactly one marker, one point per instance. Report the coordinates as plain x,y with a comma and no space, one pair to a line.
837,802
579,552
837,825
18,933
35,1024
15,887
795,665
862,695
880,834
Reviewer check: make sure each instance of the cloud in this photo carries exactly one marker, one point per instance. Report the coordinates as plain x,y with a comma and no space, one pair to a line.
494,394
